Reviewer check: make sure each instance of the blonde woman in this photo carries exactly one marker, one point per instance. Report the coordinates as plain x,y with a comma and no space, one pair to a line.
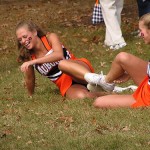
124,67
45,53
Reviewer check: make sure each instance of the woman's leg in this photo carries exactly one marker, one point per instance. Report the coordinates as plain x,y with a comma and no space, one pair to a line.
119,7
125,62
113,29
78,91
75,68
143,7
114,101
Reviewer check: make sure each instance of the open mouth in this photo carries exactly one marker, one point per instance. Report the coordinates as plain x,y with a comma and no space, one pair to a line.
27,43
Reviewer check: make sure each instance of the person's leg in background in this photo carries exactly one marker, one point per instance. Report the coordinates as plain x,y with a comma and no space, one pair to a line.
119,6
112,17
143,7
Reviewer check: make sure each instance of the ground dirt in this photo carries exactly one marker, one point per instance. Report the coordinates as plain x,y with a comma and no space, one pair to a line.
45,12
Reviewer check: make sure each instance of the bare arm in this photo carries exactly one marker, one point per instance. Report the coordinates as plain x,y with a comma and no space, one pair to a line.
55,56
30,80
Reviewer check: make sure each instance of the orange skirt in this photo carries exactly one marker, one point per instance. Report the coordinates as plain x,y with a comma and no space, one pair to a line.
142,94
65,81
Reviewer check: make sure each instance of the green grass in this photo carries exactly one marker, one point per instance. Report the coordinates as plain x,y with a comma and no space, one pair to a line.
49,121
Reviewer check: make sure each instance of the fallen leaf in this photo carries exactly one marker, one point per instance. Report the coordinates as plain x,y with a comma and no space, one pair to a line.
84,40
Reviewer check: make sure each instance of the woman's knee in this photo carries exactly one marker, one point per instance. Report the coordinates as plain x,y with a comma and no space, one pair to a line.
78,95
122,58
82,94
62,64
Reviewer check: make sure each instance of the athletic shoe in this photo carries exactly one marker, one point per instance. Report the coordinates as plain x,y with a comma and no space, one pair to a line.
118,46
118,89
94,88
99,79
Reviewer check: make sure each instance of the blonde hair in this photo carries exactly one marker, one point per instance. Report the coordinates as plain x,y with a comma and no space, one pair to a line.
24,54
146,20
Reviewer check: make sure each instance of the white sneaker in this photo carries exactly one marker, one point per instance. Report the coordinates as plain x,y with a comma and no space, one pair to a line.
121,45
118,89
99,79
118,46
94,88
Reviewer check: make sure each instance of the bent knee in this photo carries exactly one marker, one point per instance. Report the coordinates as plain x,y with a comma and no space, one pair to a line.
82,95
62,64
77,95
123,57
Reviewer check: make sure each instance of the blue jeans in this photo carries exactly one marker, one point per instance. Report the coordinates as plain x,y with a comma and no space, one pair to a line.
143,7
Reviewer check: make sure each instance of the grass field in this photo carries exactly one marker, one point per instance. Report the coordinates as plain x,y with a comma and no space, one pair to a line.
49,121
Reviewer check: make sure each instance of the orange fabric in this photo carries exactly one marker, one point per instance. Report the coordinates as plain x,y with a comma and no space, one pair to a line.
96,2
65,81
33,57
48,47
142,94
46,44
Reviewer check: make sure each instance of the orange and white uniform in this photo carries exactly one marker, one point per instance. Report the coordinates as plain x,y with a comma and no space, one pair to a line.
50,70
142,94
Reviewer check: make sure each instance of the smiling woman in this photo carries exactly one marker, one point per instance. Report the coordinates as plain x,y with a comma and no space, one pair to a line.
50,58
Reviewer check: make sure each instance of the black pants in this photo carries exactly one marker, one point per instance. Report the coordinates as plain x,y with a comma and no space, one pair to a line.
143,7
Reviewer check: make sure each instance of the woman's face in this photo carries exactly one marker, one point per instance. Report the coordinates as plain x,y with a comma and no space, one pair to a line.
144,32
25,37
